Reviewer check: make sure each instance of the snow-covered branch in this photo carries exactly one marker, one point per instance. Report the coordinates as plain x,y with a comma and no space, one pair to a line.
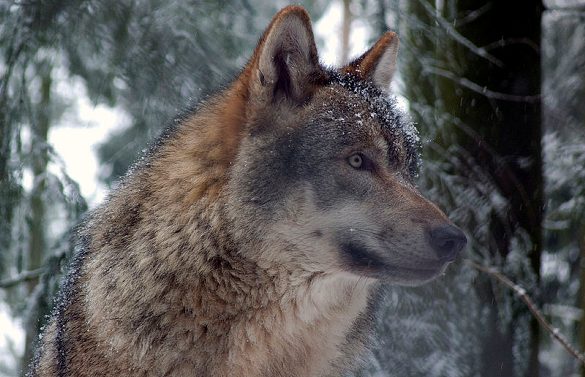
22,277
482,89
521,292
459,38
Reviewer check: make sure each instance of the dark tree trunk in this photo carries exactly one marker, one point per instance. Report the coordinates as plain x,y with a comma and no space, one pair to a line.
9,190
484,73
505,137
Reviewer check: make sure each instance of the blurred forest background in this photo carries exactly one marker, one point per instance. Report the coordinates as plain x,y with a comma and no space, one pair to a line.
497,89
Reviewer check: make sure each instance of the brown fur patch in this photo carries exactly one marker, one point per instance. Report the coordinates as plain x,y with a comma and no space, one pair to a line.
208,151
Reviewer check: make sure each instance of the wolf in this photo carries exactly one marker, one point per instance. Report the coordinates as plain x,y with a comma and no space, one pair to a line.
254,237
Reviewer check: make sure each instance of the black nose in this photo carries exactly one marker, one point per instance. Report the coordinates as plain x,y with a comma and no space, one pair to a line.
447,241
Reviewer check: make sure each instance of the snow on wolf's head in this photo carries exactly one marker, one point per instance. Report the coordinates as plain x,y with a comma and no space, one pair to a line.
322,177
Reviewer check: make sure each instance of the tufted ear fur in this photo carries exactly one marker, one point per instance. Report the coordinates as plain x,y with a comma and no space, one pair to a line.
378,64
285,59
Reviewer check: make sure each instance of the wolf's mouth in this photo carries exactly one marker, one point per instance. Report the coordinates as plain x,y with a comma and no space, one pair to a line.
359,256
367,262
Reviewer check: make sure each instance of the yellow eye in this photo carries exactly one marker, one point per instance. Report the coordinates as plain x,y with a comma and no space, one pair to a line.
356,161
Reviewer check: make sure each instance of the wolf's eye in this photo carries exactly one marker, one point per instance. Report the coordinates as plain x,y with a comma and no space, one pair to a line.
356,161
360,162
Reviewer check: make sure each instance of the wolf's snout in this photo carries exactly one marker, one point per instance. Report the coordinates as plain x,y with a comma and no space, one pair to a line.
447,241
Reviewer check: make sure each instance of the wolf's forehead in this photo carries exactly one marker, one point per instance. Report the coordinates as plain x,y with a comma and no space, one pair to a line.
381,142
366,110
359,108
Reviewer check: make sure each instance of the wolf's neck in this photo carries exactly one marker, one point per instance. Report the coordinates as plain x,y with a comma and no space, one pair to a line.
192,289
275,320
293,329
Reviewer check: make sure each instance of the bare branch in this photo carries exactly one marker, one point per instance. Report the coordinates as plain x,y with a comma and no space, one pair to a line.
482,89
512,41
473,15
22,277
521,292
458,37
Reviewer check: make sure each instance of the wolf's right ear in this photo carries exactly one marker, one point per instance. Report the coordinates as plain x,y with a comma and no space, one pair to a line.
285,59
378,64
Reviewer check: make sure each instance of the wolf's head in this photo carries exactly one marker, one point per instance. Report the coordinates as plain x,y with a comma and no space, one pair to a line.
322,166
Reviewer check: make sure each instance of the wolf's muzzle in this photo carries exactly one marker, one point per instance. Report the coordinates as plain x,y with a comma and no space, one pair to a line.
447,241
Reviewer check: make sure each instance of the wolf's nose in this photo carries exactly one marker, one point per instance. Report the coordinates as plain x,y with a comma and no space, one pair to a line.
447,241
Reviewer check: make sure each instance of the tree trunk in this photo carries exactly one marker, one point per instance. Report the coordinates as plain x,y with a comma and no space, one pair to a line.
419,89
492,97
345,32
582,295
505,119
37,221
9,191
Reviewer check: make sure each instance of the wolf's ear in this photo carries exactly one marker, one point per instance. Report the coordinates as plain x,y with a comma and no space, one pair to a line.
378,64
285,59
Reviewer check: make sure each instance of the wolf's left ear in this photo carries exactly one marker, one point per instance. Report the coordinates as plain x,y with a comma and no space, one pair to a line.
378,64
285,59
